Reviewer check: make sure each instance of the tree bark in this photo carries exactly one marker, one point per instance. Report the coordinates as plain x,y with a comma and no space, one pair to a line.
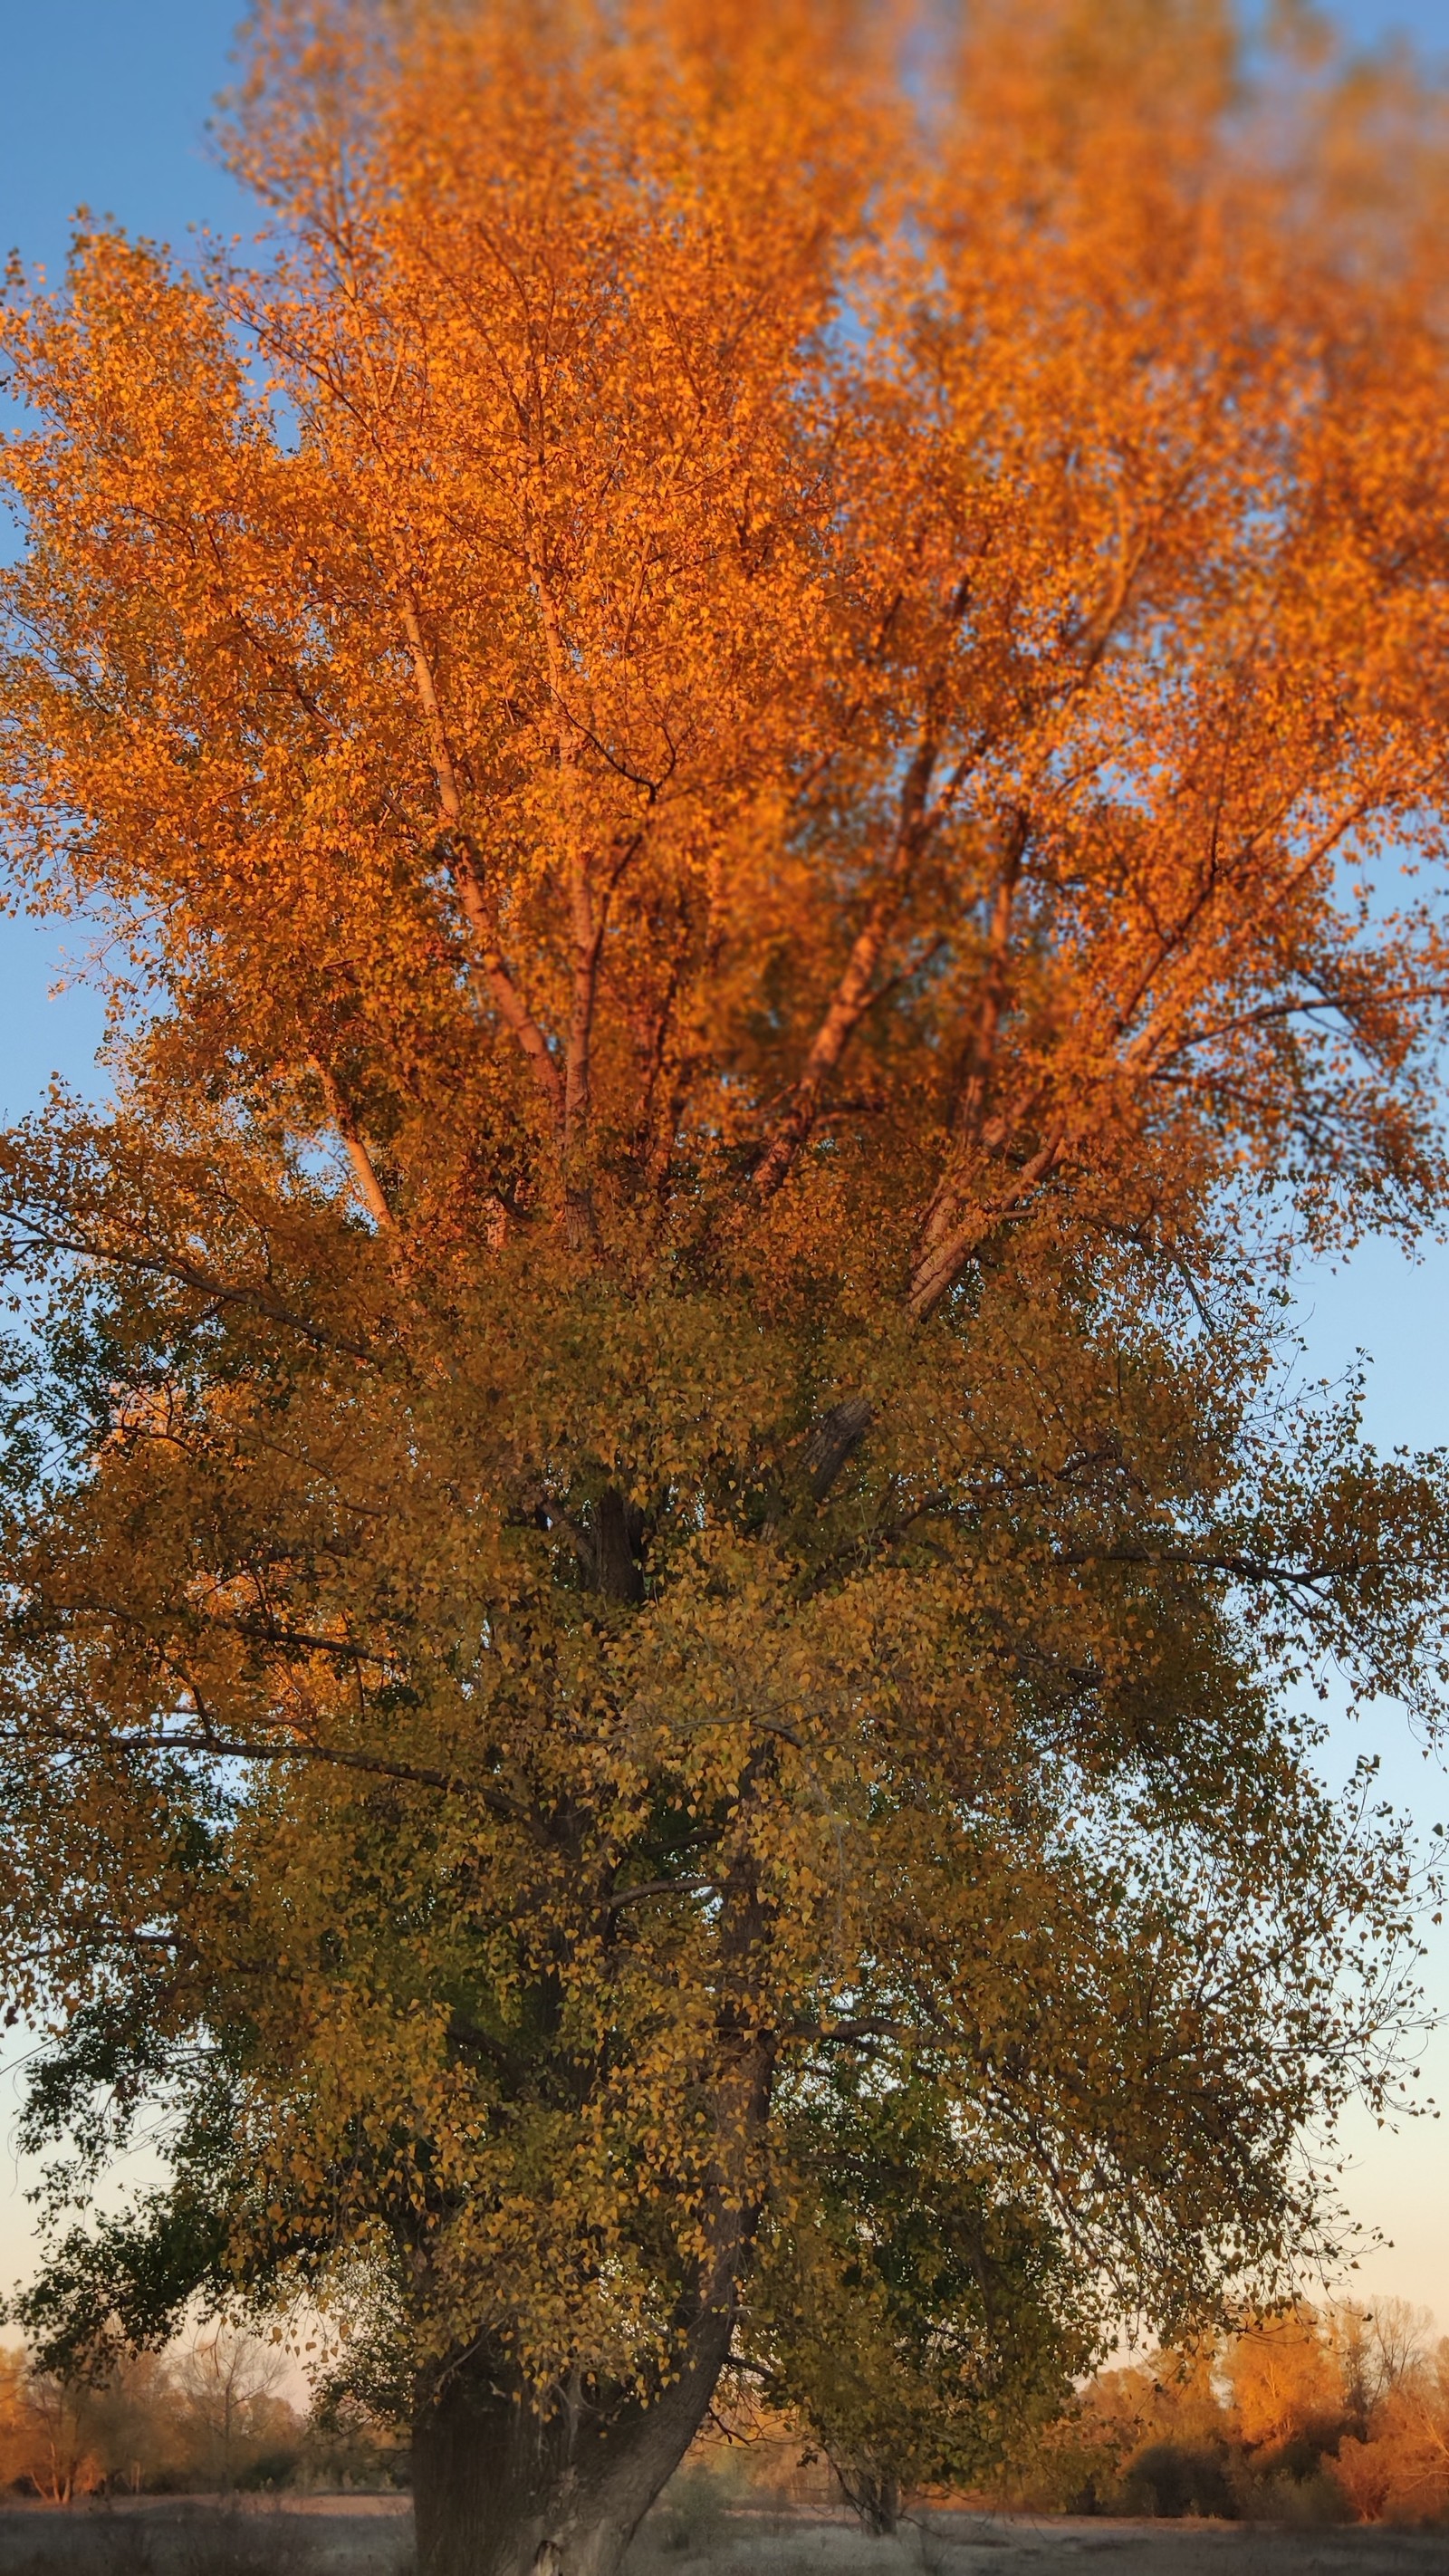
617,1532
873,2494
503,2489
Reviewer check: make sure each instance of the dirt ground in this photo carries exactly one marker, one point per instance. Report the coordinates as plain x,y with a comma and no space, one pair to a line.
372,2536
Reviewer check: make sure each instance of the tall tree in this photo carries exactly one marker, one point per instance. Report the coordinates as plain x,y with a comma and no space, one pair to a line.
734,742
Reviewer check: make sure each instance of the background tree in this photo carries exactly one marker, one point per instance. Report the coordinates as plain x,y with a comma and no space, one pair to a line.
1332,2413
58,2433
205,2414
735,752
1286,2380
228,2385
1396,2469
1378,2346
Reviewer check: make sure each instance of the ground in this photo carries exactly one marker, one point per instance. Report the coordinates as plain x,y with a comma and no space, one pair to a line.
372,2536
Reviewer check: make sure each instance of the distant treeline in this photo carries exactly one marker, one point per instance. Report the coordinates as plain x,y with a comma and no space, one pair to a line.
1321,2414
210,2416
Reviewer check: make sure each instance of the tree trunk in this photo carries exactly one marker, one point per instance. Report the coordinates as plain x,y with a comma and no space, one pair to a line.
501,2489
874,2494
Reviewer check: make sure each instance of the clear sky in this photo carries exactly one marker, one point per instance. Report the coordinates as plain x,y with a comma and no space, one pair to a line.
104,103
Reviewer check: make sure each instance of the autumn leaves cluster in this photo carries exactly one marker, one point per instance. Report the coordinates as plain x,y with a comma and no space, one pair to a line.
846,677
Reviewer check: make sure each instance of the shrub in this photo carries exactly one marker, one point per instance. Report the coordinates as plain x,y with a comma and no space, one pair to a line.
1169,2479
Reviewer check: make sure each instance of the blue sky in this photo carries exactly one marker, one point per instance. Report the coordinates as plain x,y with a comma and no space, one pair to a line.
104,103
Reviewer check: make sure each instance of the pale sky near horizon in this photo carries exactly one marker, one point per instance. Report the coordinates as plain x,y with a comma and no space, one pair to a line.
104,103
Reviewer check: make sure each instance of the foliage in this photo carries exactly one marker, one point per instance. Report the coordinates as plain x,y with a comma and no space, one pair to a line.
1307,2414
918,2322
738,752
1286,2381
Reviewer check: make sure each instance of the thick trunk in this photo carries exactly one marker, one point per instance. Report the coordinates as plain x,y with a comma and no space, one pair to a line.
501,2490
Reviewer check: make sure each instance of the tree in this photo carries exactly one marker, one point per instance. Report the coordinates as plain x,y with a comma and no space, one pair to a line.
201,2416
1396,2466
1346,2405
734,749
60,2414
1378,2348
1286,2379
227,2383
1150,2438
918,2324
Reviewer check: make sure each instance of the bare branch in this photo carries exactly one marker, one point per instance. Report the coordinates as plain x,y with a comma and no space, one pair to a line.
854,994
186,1274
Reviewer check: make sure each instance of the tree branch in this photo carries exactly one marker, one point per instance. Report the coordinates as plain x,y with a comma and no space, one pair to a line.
363,1168
854,993
225,1748
185,1274
467,877
953,1232
836,1436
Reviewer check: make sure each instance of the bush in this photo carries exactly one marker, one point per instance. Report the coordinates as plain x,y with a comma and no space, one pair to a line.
689,2516
1171,2480
1310,2503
